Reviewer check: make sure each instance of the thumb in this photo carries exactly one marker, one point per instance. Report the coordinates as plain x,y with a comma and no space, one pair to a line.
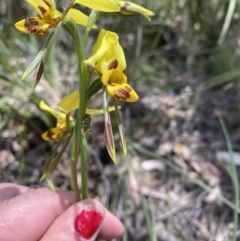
26,214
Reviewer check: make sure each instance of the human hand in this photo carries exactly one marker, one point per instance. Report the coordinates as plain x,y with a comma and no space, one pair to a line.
42,215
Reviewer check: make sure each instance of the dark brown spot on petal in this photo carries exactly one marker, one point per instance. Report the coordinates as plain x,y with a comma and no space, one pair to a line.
43,10
113,64
51,135
47,3
123,94
33,26
55,136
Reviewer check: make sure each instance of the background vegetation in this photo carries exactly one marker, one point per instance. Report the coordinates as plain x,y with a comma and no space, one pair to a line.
180,178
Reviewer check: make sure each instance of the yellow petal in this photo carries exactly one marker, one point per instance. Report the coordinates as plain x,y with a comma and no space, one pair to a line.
114,58
45,8
105,41
71,102
51,4
57,14
100,5
61,117
107,53
133,9
32,25
54,134
114,76
38,6
79,17
122,92
49,12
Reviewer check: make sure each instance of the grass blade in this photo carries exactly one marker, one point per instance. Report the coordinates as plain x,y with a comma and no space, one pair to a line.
227,21
234,177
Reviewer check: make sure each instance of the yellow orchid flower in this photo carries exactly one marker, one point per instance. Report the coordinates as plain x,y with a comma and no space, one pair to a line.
56,133
49,16
66,105
109,62
133,9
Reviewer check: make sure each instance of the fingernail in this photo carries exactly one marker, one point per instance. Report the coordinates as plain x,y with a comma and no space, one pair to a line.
88,221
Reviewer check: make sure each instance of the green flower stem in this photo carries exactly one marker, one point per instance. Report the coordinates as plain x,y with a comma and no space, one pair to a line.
84,166
74,157
79,139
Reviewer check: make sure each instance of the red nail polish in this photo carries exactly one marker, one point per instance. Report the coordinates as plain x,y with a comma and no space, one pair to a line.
88,221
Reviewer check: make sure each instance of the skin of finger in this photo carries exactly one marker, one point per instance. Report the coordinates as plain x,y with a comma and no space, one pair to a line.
26,217
62,228
10,190
111,227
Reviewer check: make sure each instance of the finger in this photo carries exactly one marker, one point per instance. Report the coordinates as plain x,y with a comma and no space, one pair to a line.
29,215
111,227
10,190
82,221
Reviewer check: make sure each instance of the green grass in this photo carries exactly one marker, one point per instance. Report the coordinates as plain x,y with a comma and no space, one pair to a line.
232,170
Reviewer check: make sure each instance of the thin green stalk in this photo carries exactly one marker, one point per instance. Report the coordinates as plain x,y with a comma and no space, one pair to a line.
83,100
91,20
55,159
147,216
79,140
52,164
220,79
74,158
227,21
51,159
84,166
234,177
